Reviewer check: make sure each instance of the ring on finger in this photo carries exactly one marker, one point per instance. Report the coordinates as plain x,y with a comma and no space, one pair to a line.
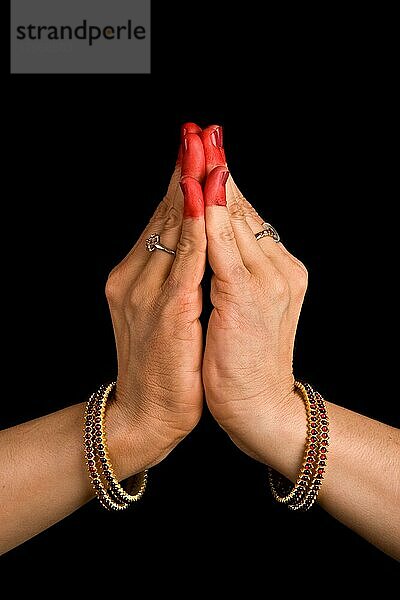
268,231
154,243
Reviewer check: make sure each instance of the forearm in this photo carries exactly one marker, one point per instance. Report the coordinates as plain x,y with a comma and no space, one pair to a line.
43,476
362,481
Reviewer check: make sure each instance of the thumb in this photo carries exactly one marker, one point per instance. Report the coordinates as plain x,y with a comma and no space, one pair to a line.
173,187
214,150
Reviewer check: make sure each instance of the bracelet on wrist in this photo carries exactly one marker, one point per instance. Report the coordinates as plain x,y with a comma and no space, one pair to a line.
305,492
109,491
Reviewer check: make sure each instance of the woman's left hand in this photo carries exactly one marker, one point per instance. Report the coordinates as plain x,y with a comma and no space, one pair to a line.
257,291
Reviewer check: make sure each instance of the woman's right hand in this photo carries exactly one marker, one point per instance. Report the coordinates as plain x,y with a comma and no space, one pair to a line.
155,301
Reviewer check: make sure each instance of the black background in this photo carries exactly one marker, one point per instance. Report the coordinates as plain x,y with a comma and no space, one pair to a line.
306,99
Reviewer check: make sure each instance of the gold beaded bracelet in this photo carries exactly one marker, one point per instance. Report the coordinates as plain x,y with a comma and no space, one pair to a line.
110,493
305,491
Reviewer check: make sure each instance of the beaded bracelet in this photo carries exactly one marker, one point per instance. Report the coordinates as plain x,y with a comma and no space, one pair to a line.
109,492
305,491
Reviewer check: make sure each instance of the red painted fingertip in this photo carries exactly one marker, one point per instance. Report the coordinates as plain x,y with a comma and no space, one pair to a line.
193,160
193,198
213,141
185,129
190,128
215,188
224,178
217,137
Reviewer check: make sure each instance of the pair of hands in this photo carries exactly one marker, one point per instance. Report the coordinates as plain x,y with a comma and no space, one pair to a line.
155,301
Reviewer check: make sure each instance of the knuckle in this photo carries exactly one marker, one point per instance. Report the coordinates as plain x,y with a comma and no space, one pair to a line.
299,279
250,212
237,197
174,218
113,287
184,246
161,210
280,286
135,300
164,205
222,233
189,244
236,211
226,234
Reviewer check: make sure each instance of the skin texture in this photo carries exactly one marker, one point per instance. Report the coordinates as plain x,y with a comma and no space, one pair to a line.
246,371
159,396
154,295
257,292
214,151
185,129
193,171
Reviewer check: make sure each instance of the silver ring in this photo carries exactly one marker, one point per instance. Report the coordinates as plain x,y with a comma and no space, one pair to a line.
153,243
268,231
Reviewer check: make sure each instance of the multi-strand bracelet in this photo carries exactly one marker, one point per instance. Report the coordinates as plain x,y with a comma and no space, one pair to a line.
305,492
113,496
108,490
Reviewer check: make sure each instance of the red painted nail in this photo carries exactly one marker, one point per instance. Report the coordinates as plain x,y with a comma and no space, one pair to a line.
215,190
224,178
185,129
217,138
189,128
213,139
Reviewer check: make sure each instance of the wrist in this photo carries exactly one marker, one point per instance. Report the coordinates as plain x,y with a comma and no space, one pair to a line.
130,451
274,434
136,444
285,427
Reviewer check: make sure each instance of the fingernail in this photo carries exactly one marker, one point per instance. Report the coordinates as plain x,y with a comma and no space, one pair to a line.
215,190
185,144
189,128
217,138
224,177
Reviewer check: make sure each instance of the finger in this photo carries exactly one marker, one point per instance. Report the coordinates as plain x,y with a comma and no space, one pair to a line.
193,160
252,254
185,129
166,212
235,197
176,176
189,264
276,252
190,260
190,128
223,253
214,152
136,259
193,166
213,142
